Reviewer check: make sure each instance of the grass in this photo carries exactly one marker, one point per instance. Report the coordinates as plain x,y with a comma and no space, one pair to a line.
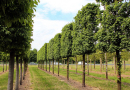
94,82
43,81
4,80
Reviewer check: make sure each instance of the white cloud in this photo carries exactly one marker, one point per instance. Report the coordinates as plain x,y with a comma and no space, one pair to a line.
44,30
66,6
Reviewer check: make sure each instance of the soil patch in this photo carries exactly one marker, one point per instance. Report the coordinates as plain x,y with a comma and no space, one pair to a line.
26,83
3,72
71,82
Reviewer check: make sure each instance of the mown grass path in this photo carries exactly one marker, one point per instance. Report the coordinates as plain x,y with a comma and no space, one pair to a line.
93,82
43,81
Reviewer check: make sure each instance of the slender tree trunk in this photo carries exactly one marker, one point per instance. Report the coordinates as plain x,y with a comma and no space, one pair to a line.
114,64
24,71
91,65
94,62
49,65
3,65
21,71
88,63
100,65
46,64
11,72
124,64
106,66
17,74
83,79
64,63
118,70
81,64
76,63
55,63
53,66
6,65
103,66
58,67
67,68
43,65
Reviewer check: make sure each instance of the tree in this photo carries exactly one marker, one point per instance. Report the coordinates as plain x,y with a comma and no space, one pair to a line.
84,28
51,51
57,46
114,23
33,55
66,44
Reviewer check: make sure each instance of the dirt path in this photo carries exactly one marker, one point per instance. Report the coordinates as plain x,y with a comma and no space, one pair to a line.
110,74
26,84
3,72
71,82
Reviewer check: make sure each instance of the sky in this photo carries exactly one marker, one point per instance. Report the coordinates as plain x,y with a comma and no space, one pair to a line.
51,16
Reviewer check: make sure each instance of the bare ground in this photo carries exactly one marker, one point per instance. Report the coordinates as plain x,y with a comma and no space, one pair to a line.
26,83
72,82
3,72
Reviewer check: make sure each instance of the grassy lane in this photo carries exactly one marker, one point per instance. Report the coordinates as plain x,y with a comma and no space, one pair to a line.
99,83
43,81
4,80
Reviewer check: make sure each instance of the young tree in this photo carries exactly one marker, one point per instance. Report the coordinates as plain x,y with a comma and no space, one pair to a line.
57,46
51,51
84,28
114,23
66,44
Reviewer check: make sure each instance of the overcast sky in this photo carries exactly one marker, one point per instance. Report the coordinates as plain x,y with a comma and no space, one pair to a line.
52,16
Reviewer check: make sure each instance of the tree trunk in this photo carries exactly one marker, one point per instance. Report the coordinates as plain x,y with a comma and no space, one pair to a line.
6,65
21,71
83,79
76,63
67,68
46,64
53,66
58,67
124,64
91,65
114,64
94,62
43,65
100,65
106,66
81,64
24,71
88,64
55,63
17,74
64,63
103,66
49,65
118,70
3,65
11,72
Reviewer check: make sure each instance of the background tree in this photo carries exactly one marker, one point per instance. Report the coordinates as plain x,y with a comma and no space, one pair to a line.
33,55
57,46
66,44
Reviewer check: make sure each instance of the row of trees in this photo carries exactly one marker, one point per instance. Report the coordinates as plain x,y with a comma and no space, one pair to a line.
107,30
15,33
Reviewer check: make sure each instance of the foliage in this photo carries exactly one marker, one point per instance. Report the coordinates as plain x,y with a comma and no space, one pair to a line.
66,40
57,46
85,27
33,55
